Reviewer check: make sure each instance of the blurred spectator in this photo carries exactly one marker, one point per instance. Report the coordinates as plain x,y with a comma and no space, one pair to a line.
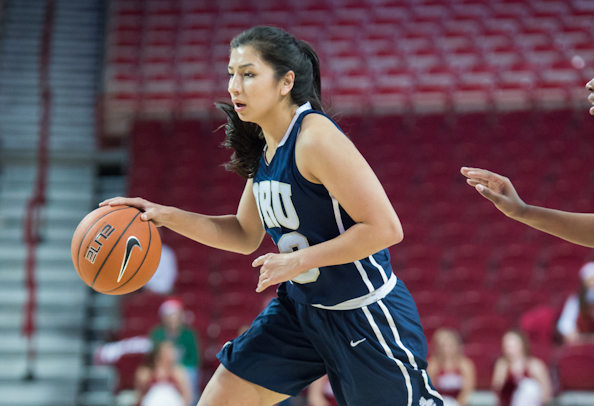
320,393
452,373
164,278
576,324
161,380
520,379
110,353
186,341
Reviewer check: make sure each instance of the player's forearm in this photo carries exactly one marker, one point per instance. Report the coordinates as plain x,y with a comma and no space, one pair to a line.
356,243
577,228
222,232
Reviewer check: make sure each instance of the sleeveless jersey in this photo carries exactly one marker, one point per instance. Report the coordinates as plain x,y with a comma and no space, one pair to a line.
297,213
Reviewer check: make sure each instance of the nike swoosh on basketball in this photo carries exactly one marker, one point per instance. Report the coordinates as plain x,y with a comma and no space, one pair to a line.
356,343
130,244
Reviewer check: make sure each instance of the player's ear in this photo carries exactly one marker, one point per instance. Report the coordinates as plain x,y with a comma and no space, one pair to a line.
287,83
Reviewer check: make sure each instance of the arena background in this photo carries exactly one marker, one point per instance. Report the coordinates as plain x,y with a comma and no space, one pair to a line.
101,98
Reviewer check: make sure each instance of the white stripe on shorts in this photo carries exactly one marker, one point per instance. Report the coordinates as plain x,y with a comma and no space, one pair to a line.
389,353
411,358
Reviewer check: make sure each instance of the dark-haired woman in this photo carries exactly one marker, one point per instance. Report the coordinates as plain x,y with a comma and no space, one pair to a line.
340,310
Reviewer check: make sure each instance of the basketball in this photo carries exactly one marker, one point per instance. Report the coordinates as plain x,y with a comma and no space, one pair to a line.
114,251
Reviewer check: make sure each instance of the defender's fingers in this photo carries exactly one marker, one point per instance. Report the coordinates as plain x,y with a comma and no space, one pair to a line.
592,110
479,174
488,193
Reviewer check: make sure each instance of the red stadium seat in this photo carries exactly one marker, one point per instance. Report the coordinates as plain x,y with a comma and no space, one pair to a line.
483,356
516,303
438,320
430,302
575,366
509,278
462,278
126,368
473,303
485,329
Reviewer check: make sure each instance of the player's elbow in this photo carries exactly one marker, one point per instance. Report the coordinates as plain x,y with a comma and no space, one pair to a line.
393,232
249,246
247,249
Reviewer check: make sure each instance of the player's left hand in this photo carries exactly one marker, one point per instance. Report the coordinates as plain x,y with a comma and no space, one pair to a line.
590,87
276,268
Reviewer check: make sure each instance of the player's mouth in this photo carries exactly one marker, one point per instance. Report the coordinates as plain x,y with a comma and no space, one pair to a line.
239,107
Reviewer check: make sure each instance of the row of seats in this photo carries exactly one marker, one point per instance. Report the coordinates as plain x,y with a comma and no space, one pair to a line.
171,56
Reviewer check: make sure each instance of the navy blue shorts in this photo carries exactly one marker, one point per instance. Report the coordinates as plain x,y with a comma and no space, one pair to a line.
374,355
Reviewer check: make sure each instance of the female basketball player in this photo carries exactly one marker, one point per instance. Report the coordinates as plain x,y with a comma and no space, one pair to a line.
340,310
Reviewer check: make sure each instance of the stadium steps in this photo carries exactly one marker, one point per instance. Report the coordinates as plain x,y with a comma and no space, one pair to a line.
62,298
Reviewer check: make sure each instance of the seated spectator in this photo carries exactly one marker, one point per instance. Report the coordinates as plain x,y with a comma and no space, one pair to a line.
452,373
320,393
520,379
161,380
172,328
164,278
576,324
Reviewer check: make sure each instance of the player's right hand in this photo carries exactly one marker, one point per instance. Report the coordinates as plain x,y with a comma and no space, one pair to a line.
497,189
151,211
590,87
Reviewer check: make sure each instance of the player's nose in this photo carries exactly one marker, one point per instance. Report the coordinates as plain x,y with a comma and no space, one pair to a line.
234,85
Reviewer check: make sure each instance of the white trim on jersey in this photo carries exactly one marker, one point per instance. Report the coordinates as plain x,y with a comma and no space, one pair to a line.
389,353
364,276
304,107
379,267
300,109
340,225
336,207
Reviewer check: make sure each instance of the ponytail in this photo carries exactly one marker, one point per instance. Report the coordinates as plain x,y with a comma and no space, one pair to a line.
283,53
317,78
245,139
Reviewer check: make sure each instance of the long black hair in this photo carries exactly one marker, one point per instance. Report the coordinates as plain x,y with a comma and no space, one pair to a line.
283,53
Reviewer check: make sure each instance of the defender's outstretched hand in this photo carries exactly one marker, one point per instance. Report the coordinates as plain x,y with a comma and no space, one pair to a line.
497,189
590,87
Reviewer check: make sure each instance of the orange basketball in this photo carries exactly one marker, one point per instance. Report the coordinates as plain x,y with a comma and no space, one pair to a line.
114,251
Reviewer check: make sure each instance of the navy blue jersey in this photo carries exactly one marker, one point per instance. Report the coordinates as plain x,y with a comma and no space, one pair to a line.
298,213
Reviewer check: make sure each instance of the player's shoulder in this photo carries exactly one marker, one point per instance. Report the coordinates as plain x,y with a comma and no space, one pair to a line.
316,130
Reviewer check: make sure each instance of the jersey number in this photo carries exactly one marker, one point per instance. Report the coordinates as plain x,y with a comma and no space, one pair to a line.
292,242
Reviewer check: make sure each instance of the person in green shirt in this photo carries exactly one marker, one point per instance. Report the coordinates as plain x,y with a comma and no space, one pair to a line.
187,343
